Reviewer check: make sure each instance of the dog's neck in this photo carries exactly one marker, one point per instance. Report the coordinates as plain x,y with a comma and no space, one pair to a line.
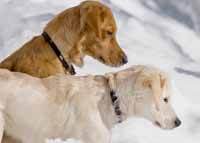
116,105
127,104
108,113
130,101
59,55
66,34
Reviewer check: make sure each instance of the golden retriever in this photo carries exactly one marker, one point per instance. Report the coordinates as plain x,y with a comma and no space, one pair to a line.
82,107
87,29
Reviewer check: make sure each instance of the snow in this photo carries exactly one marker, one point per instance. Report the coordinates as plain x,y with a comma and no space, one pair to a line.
157,32
61,141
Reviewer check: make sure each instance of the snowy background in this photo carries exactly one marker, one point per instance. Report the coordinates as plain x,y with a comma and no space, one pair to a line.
165,33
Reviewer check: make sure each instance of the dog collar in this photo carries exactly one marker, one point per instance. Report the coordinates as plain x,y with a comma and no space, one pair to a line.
115,103
61,58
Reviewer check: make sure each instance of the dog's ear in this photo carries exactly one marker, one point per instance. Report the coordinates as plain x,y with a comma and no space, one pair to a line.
92,17
162,82
156,88
111,81
76,53
76,57
154,83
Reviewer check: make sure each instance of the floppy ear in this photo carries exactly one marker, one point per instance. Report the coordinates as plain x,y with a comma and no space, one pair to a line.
156,88
91,17
154,83
76,53
111,81
162,82
76,56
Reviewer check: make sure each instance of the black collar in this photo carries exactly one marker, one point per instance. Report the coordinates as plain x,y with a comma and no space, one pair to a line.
115,103
66,65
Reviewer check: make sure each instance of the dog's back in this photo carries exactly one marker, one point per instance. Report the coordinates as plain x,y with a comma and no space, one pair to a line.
13,84
34,58
40,104
23,100
5,74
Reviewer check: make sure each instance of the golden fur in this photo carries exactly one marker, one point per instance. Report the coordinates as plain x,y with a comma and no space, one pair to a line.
87,29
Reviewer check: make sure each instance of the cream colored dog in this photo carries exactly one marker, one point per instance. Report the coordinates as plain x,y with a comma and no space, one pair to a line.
84,108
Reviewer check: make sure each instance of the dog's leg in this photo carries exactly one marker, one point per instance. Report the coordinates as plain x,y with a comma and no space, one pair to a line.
96,132
100,135
8,139
2,122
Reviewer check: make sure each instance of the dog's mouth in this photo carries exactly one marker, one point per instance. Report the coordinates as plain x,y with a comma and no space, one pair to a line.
102,60
157,124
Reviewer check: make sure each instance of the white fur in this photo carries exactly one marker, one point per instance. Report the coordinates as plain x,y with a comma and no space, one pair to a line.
32,109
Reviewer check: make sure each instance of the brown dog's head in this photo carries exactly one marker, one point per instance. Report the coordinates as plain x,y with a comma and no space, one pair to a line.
98,28
87,29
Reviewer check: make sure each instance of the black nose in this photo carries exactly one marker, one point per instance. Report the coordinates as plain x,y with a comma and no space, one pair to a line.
125,60
177,122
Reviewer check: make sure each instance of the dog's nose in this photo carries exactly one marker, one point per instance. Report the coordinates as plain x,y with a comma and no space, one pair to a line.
125,60
177,122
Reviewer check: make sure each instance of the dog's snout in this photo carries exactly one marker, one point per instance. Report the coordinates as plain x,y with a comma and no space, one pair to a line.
125,60
177,122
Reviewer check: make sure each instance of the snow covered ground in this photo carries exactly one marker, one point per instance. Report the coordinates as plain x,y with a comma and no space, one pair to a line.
164,33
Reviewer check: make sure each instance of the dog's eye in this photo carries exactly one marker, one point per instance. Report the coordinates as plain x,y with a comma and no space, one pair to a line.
110,33
166,100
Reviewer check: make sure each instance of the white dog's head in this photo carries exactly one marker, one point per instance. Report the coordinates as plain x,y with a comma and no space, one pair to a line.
149,92
153,98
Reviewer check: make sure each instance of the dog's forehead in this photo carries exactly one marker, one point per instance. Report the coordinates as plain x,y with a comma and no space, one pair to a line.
89,3
125,73
109,21
106,13
145,72
129,72
95,4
